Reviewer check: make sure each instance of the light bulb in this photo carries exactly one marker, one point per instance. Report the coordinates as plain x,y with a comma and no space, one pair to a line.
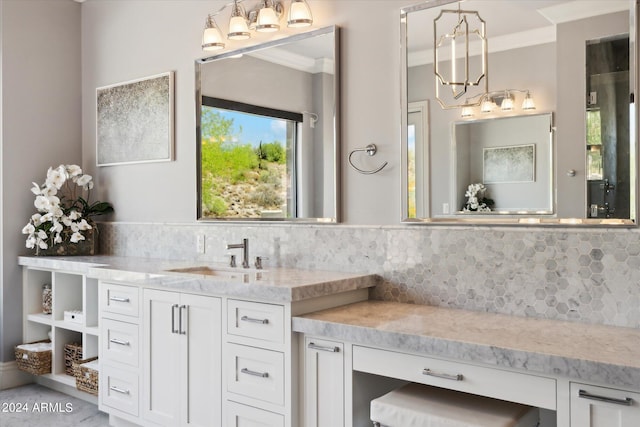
487,105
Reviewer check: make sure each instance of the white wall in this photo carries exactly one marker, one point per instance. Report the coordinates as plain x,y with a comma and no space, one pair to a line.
40,114
132,39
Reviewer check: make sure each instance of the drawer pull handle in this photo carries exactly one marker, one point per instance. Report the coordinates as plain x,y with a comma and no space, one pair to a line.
453,377
254,320
255,373
119,299
315,346
119,342
586,395
118,390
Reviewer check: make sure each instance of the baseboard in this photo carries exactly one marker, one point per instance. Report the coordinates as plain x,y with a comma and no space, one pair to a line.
11,376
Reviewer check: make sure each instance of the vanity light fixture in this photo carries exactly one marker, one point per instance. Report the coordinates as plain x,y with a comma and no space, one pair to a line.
238,23
528,103
269,16
263,17
212,37
299,14
467,111
489,102
507,102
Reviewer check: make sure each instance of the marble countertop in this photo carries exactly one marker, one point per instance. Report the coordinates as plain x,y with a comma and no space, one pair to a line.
587,352
271,284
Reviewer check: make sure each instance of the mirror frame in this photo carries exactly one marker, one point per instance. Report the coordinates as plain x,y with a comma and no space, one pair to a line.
523,220
199,63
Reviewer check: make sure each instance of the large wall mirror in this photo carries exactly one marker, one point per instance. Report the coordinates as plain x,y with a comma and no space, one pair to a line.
267,131
519,112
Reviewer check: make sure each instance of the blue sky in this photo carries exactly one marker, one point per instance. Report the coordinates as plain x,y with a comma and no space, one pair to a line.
257,128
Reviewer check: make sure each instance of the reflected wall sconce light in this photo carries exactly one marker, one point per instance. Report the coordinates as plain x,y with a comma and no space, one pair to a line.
506,98
263,17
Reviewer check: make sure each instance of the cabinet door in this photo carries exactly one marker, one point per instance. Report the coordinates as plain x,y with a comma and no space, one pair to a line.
161,349
603,407
202,358
324,383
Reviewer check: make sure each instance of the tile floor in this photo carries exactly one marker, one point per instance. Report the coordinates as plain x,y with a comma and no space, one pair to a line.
35,405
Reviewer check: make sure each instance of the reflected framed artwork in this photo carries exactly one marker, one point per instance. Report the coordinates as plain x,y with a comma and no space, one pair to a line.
510,164
135,121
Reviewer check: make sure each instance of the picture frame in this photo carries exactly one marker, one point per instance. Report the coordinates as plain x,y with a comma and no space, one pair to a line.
135,121
509,164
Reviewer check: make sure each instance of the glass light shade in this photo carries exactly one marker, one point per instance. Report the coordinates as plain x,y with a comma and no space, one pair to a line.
487,105
299,14
528,103
467,111
238,28
212,37
507,104
267,20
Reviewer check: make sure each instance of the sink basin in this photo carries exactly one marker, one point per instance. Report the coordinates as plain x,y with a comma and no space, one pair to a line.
216,272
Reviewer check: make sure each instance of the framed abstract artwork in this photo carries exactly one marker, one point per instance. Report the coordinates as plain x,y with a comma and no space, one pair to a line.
135,121
516,163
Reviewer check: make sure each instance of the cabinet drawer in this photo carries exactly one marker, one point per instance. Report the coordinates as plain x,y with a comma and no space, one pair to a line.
256,320
511,386
119,299
120,342
256,373
119,389
247,416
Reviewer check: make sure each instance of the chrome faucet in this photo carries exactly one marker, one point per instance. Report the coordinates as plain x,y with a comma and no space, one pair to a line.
245,251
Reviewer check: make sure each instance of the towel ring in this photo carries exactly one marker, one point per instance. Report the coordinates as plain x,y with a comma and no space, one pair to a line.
371,150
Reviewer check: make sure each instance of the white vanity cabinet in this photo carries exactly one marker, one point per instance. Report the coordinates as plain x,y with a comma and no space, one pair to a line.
181,359
324,383
257,367
120,352
603,407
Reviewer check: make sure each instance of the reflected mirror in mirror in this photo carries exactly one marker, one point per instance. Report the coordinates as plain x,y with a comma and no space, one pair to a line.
266,126
568,62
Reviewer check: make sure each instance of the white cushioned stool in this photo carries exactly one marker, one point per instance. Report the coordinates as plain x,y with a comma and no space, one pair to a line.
417,405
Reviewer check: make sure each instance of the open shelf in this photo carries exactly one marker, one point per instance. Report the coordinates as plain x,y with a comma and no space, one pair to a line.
70,291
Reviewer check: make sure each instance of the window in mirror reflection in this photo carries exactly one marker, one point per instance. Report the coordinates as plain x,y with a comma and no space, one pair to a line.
247,155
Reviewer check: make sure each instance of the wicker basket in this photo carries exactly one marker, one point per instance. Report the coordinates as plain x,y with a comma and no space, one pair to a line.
72,353
34,362
86,378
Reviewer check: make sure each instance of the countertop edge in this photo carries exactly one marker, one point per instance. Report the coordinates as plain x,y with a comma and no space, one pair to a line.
530,362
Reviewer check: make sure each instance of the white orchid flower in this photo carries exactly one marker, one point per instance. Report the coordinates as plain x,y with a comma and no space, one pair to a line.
66,221
76,237
74,215
84,225
28,229
36,189
57,239
42,244
42,234
31,242
41,203
85,181
74,170
56,177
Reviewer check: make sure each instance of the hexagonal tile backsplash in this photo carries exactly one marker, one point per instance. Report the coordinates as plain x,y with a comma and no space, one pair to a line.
587,275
